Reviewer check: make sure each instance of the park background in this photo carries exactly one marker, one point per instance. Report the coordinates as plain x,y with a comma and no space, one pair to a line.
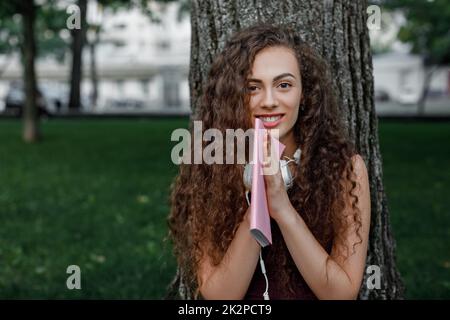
93,189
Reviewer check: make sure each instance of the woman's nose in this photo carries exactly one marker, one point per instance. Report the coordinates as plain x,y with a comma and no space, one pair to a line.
269,100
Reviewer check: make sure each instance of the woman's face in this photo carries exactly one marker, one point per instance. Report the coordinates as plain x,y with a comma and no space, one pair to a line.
275,89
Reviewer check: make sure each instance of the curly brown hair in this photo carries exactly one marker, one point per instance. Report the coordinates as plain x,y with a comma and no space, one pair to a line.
208,201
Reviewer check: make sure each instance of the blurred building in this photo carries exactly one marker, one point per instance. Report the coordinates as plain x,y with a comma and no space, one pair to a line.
143,61
400,77
141,65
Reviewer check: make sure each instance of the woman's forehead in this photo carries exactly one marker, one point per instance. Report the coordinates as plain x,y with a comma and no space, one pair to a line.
274,61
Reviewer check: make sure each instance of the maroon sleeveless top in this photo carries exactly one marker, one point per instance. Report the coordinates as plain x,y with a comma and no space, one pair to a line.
277,291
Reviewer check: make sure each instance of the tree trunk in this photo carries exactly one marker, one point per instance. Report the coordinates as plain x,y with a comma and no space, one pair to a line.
93,68
337,30
30,112
78,39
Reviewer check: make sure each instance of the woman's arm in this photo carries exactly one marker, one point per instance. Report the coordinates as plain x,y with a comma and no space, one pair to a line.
231,278
330,276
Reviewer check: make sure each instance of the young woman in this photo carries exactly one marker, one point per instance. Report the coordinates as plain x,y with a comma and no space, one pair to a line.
320,225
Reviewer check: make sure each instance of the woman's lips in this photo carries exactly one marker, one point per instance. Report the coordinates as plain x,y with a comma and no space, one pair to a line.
272,124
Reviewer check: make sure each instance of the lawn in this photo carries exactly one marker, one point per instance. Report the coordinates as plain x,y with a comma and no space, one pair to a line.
94,193
416,162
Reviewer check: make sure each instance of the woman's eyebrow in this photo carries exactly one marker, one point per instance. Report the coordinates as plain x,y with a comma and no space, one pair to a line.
286,74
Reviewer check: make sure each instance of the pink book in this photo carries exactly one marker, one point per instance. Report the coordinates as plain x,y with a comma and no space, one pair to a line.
259,212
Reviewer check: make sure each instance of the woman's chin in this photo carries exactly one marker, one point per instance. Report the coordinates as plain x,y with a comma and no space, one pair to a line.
278,133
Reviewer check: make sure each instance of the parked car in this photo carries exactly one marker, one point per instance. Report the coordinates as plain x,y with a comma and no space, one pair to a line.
126,103
15,101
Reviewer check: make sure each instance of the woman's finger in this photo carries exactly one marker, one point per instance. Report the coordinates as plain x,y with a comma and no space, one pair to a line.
266,158
273,163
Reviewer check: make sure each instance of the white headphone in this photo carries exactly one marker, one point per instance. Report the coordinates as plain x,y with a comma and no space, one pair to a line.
285,172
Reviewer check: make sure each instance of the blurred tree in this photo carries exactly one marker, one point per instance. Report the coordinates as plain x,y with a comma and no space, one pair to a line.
427,29
50,27
93,38
9,35
50,20
338,31
78,40
28,11
19,21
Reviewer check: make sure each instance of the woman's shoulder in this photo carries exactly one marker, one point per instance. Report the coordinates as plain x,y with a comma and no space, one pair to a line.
358,172
359,165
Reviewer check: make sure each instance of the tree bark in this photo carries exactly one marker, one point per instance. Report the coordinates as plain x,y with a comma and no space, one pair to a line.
78,40
30,113
337,30
93,68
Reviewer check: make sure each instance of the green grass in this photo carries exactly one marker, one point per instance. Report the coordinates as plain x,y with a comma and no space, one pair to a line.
94,193
416,161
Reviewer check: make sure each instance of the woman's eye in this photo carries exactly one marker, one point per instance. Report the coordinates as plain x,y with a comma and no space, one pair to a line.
252,88
285,85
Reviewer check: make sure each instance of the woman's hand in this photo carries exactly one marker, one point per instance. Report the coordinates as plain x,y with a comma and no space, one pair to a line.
277,198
